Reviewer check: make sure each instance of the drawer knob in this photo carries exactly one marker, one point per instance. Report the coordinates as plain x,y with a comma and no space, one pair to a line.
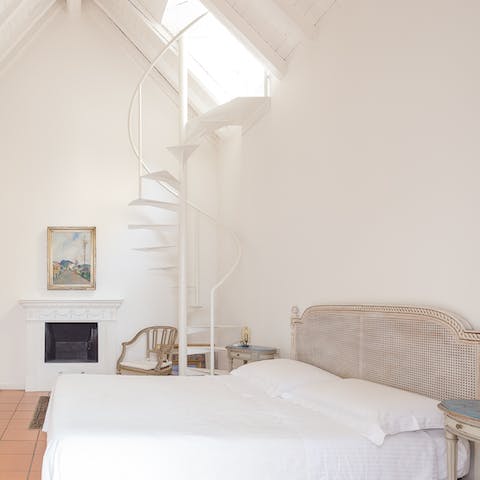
458,426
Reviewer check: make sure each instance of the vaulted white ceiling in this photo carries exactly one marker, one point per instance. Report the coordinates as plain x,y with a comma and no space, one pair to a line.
271,29
306,13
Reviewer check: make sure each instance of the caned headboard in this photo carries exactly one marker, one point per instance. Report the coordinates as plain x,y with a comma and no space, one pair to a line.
422,350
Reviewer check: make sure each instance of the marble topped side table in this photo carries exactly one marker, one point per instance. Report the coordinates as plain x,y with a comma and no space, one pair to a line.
250,353
462,419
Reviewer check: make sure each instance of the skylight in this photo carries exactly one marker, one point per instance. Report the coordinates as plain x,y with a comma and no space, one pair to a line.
217,58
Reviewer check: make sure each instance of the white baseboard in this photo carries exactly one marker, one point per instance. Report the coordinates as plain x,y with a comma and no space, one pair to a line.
12,387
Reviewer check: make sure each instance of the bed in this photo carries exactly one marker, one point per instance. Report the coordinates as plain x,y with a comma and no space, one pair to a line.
120,427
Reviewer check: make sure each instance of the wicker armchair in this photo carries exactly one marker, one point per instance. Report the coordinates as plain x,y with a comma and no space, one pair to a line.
158,353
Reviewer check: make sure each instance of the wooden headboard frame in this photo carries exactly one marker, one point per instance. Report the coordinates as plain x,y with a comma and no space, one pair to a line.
422,350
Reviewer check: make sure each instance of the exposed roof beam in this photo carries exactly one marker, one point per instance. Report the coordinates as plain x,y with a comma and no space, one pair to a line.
7,13
156,8
74,7
148,40
20,21
249,36
308,28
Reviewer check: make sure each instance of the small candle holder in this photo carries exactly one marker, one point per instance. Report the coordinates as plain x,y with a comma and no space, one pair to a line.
245,337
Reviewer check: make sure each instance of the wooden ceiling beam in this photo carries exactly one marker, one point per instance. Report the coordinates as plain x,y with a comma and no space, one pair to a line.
307,27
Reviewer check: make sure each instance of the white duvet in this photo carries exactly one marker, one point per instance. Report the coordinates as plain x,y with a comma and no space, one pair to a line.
103,427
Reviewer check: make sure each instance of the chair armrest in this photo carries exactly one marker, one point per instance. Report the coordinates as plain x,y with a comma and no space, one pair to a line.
124,348
134,339
122,356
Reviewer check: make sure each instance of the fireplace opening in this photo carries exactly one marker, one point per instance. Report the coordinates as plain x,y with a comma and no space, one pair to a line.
71,342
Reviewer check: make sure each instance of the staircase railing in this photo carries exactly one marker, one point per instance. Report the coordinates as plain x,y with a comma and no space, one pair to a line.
137,91
138,151
226,276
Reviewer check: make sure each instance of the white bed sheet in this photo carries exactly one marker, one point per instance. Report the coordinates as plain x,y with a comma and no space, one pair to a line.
104,427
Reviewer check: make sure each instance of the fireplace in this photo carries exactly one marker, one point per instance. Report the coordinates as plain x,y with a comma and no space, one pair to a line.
71,342
41,369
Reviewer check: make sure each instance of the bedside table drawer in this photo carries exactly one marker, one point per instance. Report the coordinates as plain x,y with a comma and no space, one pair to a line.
241,355
462,429
262,356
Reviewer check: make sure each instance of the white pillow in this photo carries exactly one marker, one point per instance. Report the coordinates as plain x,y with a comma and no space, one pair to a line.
281,375
371,409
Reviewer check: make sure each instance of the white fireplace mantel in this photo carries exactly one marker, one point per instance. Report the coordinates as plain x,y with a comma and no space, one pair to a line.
71,310
41,375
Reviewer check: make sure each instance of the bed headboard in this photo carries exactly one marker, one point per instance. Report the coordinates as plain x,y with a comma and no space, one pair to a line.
418,349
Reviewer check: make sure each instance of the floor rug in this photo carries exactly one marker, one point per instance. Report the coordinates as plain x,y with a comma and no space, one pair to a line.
40,412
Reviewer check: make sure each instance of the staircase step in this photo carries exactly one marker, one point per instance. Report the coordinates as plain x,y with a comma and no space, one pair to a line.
184,151
157,226
154,249
203,349
196,307
142,202
241,111
164,177
191,329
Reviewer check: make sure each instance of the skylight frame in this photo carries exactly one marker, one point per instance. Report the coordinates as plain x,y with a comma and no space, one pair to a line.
221,86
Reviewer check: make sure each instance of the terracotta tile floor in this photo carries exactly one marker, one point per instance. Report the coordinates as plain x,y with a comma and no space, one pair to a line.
21,449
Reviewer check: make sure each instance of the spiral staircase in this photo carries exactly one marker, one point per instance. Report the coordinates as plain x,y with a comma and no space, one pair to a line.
241,112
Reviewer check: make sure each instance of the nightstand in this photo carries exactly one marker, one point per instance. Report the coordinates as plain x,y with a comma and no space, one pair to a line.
462,419
250,353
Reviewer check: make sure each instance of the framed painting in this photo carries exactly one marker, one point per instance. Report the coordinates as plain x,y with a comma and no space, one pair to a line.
71,258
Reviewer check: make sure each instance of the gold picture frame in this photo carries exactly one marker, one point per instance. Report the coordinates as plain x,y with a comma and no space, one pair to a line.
71,253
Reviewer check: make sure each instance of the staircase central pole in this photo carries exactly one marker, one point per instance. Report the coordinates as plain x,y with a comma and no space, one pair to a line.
140,140
182,214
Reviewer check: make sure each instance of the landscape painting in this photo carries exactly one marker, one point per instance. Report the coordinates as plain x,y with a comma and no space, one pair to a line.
71,258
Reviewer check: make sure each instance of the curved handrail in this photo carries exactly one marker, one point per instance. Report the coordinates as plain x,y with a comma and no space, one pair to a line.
213,292
145,76
238,245
225,277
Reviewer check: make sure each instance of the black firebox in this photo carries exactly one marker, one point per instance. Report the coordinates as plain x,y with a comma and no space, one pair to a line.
71,342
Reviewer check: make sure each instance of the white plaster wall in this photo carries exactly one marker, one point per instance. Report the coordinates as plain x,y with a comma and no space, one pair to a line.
362,183
65,160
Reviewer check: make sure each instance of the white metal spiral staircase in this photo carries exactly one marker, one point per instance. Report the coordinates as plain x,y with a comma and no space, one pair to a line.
242,111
